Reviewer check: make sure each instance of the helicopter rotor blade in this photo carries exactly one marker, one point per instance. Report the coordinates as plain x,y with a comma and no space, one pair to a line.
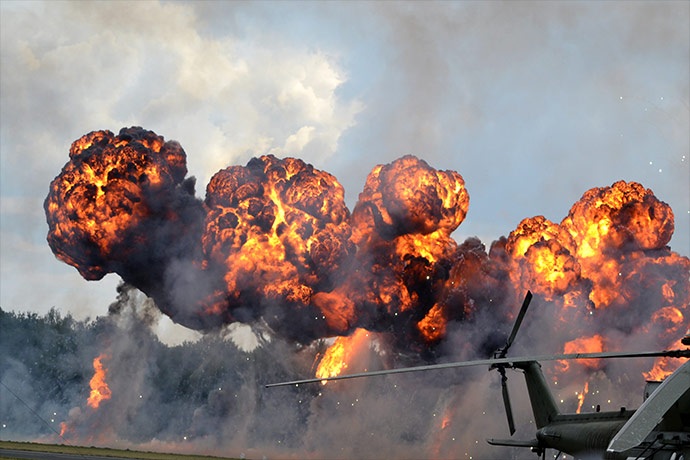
516,326
493,361
506,401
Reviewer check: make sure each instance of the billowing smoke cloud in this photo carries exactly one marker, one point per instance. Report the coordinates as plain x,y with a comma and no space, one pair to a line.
273,241
273,245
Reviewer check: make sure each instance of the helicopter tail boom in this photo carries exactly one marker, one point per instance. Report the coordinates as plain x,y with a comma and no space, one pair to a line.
543,405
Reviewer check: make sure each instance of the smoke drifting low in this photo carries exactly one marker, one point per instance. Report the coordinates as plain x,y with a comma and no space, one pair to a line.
273,245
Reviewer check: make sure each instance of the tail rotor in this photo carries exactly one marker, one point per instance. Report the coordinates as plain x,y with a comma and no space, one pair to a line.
501,353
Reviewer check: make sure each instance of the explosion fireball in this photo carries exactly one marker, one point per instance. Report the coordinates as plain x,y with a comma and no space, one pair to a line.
274,242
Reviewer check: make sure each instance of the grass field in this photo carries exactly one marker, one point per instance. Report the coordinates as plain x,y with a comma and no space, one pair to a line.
59,448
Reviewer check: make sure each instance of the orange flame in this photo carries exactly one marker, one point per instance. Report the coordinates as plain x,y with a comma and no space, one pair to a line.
402,225
274,241
106,191
581,397
279,229
663,367
445,422
339,355
603,225
593,344
98,384
433,325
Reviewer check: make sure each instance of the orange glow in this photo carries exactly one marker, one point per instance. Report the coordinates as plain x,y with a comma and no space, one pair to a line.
441,436
625,216
63,428
402,225
609,252
339,355
273,241
433,325
581,397
593,344
279,228
663,367
671,315
98,384
590,244
446,421
100,199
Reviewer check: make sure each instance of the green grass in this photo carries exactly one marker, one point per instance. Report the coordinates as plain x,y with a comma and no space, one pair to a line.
102,451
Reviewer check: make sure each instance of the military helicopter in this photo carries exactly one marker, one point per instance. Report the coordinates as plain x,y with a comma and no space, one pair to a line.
659,429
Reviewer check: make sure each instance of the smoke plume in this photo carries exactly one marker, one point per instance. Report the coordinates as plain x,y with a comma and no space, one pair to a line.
274,246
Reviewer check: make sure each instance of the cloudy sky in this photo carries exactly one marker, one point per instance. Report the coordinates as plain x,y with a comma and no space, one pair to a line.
533,103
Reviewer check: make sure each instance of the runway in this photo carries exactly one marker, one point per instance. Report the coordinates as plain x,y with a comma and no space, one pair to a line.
36,455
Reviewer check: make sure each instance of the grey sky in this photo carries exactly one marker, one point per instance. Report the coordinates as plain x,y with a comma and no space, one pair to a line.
532,102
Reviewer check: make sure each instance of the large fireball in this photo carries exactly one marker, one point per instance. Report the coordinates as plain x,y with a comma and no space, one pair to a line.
273,244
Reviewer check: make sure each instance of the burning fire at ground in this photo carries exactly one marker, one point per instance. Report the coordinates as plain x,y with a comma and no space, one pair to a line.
98,383
273,243
100,391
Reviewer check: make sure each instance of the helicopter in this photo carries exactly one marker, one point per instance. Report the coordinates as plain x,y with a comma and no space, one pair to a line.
658,430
